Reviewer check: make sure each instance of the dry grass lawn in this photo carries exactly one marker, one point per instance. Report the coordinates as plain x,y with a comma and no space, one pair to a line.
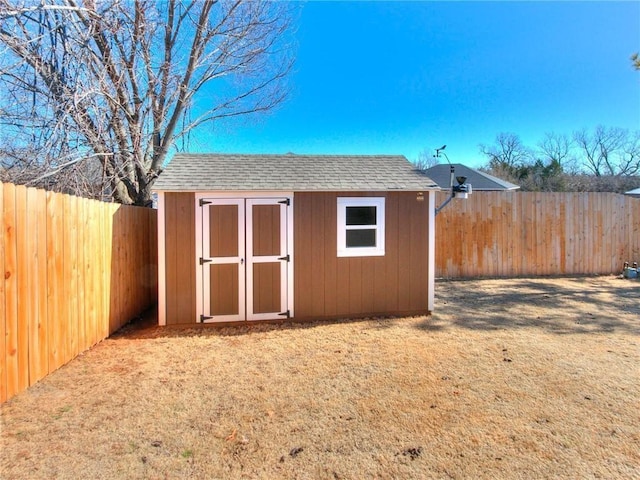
523,378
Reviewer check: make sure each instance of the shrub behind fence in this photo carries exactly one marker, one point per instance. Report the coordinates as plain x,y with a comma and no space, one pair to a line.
74,271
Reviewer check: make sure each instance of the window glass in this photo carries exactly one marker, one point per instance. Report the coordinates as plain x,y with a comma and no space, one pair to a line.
361,238
361,215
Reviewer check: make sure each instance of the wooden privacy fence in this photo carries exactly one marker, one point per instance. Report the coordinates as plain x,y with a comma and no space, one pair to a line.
74,271
504,234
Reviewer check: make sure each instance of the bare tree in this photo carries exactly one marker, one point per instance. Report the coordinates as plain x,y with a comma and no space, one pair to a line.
609,151
508,152
557,149
114,84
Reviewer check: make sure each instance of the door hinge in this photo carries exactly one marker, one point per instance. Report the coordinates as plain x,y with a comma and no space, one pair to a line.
286,257
285,314
286,202
204,317
204,202
205,260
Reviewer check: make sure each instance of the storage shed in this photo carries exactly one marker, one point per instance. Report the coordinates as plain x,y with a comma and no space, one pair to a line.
267,237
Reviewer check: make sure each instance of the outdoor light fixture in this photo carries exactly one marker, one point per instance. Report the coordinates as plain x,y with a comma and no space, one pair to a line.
462,190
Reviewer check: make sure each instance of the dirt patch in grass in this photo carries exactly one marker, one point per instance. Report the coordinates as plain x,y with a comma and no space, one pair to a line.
523,378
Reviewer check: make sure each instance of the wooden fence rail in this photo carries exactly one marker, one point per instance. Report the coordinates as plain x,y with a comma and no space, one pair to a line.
74,271
505,234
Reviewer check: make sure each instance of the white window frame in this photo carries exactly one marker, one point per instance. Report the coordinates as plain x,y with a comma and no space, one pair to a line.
343,203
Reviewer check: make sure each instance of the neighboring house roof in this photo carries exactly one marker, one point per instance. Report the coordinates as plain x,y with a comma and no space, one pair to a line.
634,193
441,174
228,172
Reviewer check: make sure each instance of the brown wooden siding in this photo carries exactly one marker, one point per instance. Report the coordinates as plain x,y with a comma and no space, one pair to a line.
330,287
180,257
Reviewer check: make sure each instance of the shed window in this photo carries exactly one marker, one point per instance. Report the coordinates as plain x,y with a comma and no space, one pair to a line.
360,226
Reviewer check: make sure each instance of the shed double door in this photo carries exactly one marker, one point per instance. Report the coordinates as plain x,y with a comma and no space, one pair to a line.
244,263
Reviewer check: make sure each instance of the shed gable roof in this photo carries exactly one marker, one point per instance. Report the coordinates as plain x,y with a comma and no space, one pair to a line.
441,174
229,172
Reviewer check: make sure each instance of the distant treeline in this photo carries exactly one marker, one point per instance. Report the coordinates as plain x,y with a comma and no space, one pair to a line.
606,159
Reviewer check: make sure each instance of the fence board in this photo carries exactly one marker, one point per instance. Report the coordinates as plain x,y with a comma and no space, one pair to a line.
80,224
65,326
75,277
43,315
101,272
71,275
104,273
23,267
534,233
586,245
55,293
588,253
11,290
89,265
3,339
561,249
34,336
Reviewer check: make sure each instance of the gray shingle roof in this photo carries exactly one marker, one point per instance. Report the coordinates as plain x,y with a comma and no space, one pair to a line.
441,174
228,172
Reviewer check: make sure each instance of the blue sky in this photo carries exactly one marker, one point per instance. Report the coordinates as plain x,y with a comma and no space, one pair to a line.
402,77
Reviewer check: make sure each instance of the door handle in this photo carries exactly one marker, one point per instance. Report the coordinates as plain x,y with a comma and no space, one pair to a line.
242,261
